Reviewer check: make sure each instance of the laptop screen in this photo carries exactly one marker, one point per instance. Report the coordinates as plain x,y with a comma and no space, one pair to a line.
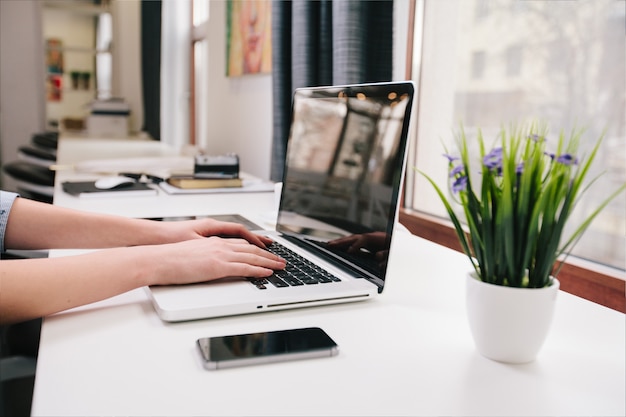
343,170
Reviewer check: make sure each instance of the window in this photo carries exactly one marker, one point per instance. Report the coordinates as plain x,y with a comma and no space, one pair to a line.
513,61
199,68
104,65
481,9
562,62
478,65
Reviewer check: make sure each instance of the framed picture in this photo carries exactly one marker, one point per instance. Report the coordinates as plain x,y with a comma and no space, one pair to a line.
54,87
54,56
248,37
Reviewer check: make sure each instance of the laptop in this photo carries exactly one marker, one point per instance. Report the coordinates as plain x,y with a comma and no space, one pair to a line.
344,167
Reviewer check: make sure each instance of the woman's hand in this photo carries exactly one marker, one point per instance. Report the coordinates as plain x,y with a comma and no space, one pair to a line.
207,259
140,252
202,228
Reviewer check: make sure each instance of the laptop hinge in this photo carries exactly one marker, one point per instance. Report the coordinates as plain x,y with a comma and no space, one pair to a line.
318,301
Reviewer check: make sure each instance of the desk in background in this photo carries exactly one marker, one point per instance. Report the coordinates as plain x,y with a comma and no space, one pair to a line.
408,352
91,154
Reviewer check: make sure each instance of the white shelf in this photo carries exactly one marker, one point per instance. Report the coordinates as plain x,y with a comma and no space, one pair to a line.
79,49
77,6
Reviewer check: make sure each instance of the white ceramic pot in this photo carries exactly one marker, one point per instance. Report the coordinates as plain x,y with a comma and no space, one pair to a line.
509,324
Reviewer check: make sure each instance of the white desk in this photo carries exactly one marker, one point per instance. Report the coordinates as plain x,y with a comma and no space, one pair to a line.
76,151
408,352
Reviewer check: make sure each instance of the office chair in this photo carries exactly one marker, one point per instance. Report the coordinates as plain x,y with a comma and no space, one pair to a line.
46,140
19,344
31,171
36,156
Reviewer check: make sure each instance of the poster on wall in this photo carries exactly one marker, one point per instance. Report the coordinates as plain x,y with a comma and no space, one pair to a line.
54,69
54,56
248,37
54,87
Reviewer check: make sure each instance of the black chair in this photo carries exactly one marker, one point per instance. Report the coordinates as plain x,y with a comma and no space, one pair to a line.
19,344
42,150
36,156
31,172
46,140
19,347
33,181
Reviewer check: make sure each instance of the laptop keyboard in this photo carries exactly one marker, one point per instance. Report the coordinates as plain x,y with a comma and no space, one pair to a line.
299,271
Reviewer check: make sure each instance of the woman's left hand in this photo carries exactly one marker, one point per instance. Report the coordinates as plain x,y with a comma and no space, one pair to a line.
202,228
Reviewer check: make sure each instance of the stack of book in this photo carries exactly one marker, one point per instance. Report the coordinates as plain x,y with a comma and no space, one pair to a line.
190,182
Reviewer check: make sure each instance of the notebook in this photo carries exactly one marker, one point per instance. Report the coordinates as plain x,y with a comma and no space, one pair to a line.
344,168
88,189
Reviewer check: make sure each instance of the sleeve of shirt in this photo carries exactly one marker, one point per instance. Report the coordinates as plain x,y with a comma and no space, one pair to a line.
6,202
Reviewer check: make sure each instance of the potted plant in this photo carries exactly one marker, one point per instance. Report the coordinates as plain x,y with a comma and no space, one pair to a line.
516,199
75,75
84,77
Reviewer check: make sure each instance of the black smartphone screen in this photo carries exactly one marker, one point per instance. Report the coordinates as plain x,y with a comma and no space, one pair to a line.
252,348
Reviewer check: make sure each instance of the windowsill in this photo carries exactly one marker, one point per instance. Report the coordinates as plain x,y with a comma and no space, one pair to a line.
597,283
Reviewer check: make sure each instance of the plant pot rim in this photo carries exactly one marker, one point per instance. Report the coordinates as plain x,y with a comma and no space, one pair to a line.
554,282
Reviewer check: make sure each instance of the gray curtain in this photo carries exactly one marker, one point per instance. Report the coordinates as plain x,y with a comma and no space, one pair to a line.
327,42
151,66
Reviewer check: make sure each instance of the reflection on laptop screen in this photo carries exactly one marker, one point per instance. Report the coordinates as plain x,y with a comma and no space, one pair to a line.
344,167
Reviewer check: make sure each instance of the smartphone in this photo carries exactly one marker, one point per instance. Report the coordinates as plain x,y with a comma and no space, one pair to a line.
274,346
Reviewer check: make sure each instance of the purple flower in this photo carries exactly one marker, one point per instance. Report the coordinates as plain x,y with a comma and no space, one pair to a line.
567,159
535,137
549,154
520,168
456,170
460,184
493,159
451,158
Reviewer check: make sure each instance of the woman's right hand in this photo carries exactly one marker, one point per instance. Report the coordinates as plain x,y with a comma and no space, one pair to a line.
211,258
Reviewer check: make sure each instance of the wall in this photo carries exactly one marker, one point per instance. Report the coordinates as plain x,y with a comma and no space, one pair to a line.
22,105
22,98
239,117
76,27
127,58
240,109
76,31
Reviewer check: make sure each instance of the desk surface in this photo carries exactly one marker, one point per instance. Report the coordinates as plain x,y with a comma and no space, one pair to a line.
409,352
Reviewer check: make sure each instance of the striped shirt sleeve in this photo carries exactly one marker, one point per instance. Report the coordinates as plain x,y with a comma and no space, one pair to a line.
6,202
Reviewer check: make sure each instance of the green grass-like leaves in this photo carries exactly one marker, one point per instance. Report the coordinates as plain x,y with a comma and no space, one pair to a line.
516,214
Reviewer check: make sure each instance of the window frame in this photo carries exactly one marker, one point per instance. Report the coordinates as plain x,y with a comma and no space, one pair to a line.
583,279
592,281
199,23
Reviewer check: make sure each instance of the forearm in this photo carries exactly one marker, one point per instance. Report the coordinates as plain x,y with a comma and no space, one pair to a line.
35,225
39,287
